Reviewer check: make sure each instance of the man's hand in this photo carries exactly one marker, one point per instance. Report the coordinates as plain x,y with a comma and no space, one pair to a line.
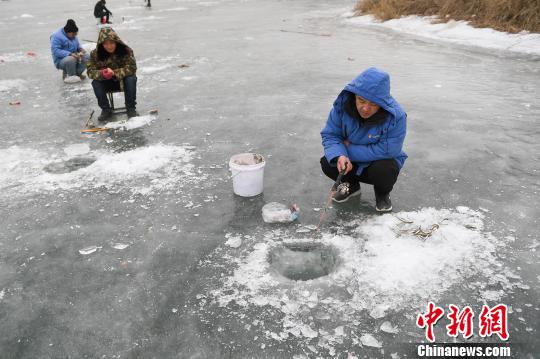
74,55
343,163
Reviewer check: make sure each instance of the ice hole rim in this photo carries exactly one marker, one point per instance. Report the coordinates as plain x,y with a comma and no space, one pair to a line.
329,260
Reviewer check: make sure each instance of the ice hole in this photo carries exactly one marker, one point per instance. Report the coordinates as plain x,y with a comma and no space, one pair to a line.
71,165
303,260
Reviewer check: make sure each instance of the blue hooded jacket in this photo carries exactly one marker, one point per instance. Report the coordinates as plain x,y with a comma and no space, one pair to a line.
366,143
62,45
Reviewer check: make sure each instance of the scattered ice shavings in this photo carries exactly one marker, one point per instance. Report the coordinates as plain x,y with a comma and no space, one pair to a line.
77,149
2,293
387,327
88,250
381,266
132,123
7,85
144,169
27,16
174,310
120,246
370,341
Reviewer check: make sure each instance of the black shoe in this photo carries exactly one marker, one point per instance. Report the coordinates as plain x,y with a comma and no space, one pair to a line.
105,115
382,202
346,191
132,113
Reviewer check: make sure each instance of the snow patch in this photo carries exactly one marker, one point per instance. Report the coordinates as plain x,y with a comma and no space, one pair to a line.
142,170
132,123
459,32
384,267
7,85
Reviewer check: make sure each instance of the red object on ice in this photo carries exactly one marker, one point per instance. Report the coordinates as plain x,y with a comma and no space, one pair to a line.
494,321
460,321
429,320
31,53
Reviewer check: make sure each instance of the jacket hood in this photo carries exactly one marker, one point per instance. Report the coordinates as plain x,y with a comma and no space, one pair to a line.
108,33
374,85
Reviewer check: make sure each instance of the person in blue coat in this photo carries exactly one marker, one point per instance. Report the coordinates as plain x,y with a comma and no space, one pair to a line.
67,53
363,138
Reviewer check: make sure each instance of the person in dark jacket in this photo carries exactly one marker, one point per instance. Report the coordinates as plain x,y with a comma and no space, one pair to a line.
363,138
67,53
101,12
112,66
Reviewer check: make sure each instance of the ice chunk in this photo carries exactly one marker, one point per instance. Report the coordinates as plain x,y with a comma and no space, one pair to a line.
120,245
274,212
369,341
234,242
387,327
379,311
72,79
88,250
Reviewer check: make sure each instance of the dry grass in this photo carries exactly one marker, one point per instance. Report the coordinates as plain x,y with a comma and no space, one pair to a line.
504,15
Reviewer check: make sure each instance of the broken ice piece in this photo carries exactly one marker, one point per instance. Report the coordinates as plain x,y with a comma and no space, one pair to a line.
234,242
274,212
369,341
120,245
88,250
387,327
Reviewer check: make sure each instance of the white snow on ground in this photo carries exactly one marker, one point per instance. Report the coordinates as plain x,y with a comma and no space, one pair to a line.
383,268
132,123
142,170
459,32
7,85
154,69
17,57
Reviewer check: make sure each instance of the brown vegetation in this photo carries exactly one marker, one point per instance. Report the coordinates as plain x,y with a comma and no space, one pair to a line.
504,15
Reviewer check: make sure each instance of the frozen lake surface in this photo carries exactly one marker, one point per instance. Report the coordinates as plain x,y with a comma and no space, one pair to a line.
131,244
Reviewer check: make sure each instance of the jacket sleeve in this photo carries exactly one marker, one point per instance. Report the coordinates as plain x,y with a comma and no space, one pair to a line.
129,68
389,146
56,48
91,68
332,134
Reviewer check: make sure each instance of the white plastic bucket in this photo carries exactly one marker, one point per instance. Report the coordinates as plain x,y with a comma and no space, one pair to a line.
247,174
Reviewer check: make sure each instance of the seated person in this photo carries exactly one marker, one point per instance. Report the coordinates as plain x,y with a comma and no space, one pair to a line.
112,67
67,53
101,12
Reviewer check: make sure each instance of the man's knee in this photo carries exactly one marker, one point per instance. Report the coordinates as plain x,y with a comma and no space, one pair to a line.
383,172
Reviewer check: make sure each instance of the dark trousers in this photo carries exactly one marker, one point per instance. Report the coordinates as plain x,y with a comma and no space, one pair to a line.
381,174
130,92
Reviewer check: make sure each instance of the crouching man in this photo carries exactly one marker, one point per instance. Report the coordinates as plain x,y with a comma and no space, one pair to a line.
112,67
67,53
363,138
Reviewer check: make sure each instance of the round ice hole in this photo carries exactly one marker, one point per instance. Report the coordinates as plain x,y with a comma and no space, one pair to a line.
71,165
303,260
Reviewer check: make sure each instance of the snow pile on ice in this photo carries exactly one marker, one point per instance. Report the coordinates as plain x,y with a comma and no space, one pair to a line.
457,32
383,268
8,85
154,69
132,123
16,57
142,170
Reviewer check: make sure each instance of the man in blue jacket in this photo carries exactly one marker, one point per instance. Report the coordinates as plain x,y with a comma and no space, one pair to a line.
67,53
363,138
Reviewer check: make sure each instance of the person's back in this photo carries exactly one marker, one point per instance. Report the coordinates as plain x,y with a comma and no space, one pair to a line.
101,12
